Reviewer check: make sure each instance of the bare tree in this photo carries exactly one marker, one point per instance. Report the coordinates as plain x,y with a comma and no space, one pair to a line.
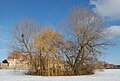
86,30
23,36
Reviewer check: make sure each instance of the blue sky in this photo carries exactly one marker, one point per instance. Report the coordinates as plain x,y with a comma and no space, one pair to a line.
53,12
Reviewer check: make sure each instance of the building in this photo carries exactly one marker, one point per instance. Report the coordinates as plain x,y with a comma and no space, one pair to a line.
117,66
110,66
18,61
4,64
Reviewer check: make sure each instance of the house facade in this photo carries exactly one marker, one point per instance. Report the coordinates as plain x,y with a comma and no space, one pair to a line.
19,61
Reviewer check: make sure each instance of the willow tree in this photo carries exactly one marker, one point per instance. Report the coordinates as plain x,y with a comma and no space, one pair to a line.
87,37
47,44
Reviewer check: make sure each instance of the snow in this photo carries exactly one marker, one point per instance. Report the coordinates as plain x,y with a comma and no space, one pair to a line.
106,75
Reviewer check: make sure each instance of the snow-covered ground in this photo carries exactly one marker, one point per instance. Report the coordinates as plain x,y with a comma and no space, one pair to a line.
107,75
